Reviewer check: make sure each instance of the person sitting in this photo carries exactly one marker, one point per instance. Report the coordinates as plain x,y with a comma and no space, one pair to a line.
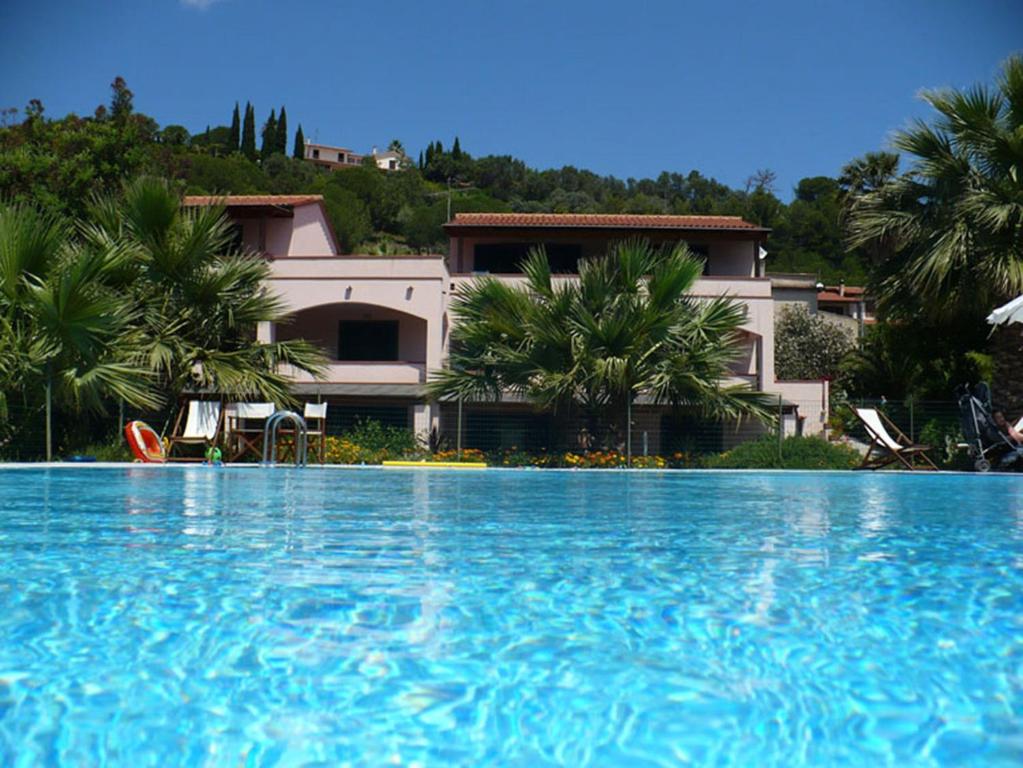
1006,428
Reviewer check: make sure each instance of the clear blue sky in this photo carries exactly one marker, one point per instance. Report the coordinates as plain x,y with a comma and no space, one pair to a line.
629,89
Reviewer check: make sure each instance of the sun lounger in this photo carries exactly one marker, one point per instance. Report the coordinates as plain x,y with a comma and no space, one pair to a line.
885,450
202,427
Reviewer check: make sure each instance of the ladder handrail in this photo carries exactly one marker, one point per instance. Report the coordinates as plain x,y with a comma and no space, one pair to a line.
270,437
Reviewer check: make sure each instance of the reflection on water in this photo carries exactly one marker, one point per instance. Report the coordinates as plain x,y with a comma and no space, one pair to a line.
515,618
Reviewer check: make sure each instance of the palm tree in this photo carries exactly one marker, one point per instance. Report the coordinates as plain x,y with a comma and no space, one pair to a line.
199,298
625,327
63,328
954,221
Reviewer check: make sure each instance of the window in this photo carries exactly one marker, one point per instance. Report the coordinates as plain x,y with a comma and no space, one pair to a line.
340,157
702,252
507,258
316,154
367,340
237,235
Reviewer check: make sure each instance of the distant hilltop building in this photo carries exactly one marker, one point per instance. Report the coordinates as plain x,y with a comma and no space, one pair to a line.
335,158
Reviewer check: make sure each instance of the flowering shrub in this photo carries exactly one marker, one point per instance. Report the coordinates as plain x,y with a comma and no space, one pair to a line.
468,455
340,450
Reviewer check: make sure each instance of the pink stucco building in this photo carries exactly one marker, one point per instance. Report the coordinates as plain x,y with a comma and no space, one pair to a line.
384,321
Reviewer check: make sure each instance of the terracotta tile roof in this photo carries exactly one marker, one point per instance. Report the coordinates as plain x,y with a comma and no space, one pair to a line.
598,221
853,294
240,200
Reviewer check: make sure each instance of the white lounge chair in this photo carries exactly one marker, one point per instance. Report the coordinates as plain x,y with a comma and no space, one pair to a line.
202,427
885,450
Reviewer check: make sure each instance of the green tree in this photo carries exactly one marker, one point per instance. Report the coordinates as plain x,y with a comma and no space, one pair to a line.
174,135
348,215
198,300
249,133
67,332
952,225
121,101
863,176
627,326
299,151
287,176
230,175
281,144
57,165
269,136
236,129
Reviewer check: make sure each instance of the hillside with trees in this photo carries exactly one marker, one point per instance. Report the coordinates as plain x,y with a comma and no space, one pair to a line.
937,242
60,162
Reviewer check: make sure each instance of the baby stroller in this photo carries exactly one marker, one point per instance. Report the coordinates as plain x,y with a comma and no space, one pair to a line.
984,442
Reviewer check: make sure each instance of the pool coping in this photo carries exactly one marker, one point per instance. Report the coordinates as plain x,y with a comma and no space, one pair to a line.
68,465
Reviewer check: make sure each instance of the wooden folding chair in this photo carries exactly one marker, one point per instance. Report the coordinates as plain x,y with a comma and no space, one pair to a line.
202,427
885,450
245,426
315,415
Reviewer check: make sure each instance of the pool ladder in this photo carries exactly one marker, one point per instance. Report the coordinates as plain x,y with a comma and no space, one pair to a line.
273,424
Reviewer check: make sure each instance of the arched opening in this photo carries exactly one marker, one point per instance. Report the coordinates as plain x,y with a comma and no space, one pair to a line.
360,333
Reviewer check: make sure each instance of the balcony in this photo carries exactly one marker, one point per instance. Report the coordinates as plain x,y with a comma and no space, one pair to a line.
735,287
365,373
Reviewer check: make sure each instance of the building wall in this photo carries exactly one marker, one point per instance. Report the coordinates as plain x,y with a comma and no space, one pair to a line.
310,235
306,233
805,296
417,290
737,259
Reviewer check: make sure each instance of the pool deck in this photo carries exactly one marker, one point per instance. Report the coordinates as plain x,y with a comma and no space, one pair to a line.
442,467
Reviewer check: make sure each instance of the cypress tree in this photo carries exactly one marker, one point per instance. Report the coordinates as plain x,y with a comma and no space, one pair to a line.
249,133
281,147
299,150
456,150
236,129
420,159
440,148
269,135
429,154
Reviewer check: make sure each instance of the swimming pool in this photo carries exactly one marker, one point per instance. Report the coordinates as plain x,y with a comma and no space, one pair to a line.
167,616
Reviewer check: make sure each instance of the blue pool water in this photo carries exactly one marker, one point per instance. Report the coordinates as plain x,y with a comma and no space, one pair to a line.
168,616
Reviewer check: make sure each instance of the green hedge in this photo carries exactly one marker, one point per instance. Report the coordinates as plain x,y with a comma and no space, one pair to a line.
796,453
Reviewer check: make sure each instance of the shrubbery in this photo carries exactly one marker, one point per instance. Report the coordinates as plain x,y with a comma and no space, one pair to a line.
808,346
796,453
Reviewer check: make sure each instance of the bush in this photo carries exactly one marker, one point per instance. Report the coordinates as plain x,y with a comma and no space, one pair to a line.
796,453
374,436
944,437
114,451
808,346
370,442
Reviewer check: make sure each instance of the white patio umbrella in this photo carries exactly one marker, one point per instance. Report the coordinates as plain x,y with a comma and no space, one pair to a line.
1008,313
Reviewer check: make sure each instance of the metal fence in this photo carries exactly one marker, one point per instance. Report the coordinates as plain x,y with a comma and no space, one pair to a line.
516,432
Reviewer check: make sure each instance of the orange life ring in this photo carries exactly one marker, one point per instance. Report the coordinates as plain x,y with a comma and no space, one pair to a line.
144,442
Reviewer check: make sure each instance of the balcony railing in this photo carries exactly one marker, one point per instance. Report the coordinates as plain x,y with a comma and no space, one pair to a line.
366,372
736,287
